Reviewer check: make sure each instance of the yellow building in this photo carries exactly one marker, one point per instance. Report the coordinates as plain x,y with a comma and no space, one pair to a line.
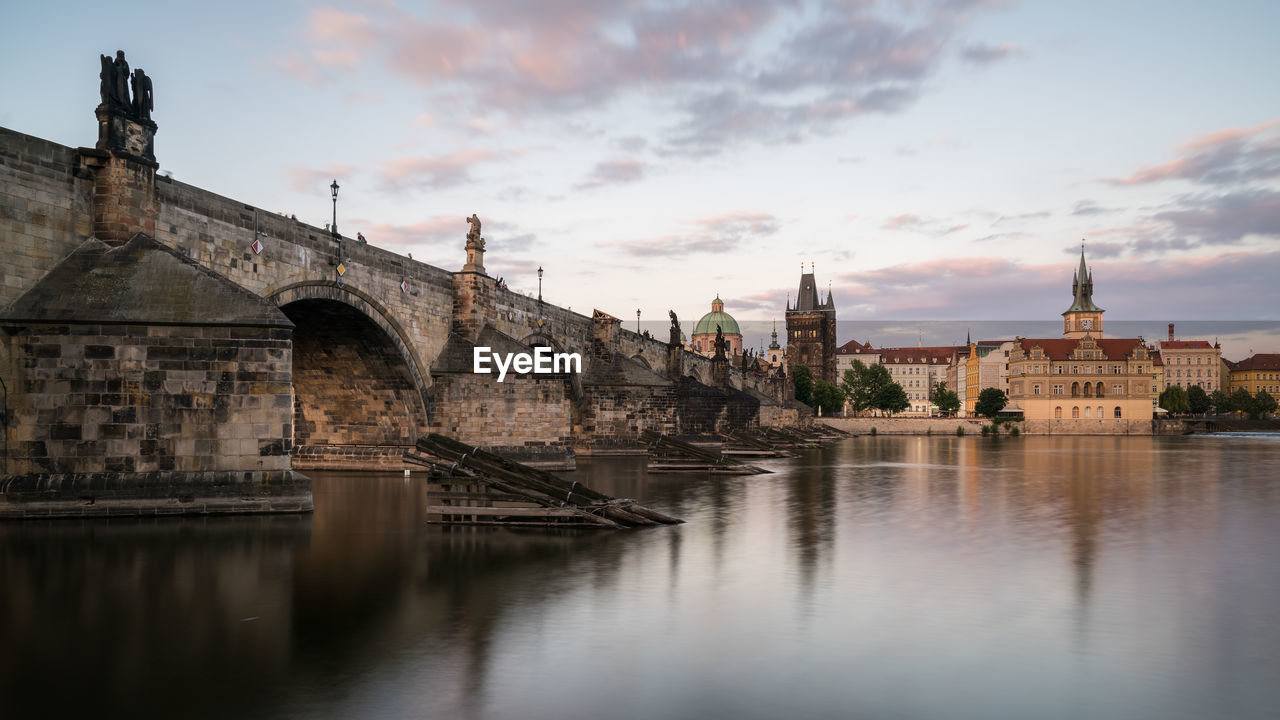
1259,372
1082,378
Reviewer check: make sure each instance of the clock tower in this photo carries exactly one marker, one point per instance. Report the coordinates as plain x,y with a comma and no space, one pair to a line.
1083,317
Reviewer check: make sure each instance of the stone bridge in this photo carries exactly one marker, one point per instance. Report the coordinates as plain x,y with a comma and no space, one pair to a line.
379,348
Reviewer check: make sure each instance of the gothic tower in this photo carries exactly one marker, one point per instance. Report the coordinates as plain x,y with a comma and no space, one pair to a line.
1083,317
811,330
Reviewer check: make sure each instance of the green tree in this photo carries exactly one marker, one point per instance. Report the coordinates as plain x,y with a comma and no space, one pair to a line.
1220,401
1263,404
827,397
990,402
948,401
802,378
892,398
862,384
1198,400
1174,399
1242,401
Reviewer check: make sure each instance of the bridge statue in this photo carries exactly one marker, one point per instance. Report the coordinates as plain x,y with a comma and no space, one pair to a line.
115,82
143,97
674,339
721,345
474,246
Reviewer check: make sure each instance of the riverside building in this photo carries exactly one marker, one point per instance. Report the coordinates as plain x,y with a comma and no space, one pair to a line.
1083,381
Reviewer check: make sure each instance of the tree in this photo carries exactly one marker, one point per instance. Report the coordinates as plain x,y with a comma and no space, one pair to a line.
1263,404
802,377
892,398
827,397
1220,401
948,401
1174,399
990,402
1242,401
862,384
1198,399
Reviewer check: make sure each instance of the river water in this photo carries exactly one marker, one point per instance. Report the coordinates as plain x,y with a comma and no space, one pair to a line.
889,577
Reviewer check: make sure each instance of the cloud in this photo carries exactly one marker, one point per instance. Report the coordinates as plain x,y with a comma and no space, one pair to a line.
1086,208
310,180
433,173
984,54
1225,218
615,172
717,233
1021,218
437,230
1138,288
731,71
1225,157
917,223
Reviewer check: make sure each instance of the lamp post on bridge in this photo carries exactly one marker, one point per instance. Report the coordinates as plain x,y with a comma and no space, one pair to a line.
539,296
333,190
333,228
637,321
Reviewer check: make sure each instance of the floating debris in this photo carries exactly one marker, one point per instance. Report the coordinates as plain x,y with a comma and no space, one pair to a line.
668,455
471,486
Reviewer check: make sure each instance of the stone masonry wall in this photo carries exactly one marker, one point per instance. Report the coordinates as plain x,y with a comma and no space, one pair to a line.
522,410
45,210
131,399
619,413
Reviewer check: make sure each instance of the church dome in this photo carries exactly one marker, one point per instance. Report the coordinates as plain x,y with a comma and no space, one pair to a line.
717,316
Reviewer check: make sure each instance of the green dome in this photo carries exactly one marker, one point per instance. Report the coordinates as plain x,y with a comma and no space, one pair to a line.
707,325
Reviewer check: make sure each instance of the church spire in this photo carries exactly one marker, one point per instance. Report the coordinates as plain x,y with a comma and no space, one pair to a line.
1082,288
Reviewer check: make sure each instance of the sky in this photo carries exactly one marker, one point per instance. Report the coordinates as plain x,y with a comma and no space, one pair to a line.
935,160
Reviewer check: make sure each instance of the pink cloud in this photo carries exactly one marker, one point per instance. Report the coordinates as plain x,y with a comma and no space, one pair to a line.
434,172
1224,157
905,221
311,179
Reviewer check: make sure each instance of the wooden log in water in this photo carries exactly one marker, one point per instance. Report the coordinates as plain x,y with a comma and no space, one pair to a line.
535,486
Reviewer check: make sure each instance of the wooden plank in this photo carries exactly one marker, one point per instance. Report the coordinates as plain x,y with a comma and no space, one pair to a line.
511,511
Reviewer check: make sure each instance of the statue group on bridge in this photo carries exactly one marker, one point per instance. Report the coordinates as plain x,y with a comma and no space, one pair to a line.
115,87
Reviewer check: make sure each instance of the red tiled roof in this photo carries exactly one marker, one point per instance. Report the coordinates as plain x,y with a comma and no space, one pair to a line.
853,346
936,354
1185,345
1061,348
1261,361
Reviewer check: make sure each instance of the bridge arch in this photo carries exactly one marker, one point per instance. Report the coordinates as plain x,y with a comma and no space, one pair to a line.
358,380
541,338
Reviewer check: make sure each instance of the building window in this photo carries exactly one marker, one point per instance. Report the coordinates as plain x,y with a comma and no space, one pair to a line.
1035,389
1075,412
1117,412
1117,389
1057,389
1100,413
1075,389
1057,412
1088,411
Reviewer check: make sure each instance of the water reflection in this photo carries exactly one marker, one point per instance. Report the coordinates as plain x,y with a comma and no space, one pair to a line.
881,577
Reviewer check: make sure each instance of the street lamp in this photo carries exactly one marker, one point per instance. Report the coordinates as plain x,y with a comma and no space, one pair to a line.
637,321
539,284
333,190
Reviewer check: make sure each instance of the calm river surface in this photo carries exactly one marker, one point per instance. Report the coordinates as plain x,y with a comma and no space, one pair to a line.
1064,577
